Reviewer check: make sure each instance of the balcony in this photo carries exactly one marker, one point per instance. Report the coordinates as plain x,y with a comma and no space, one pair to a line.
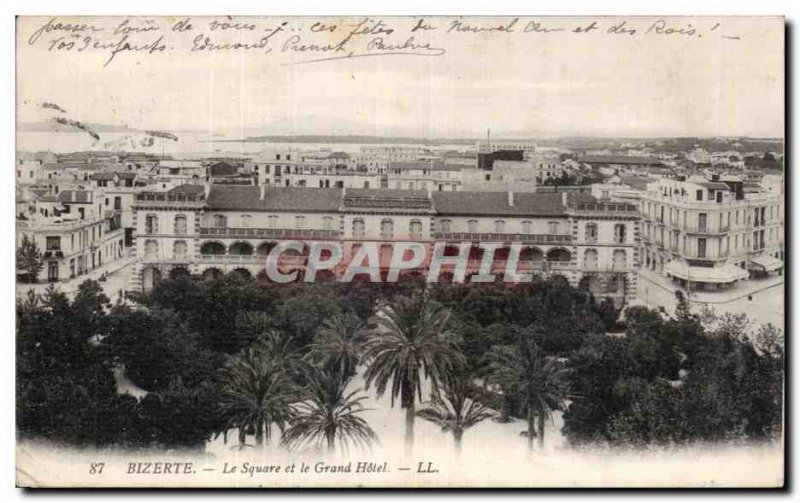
242,232
167,199
615,268
285,259
707,229
707,255
543,239
604,208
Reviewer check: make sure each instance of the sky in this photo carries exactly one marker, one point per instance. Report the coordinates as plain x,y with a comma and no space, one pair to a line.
521,85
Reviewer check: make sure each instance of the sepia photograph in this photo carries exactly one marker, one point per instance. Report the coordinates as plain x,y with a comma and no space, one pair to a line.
400,251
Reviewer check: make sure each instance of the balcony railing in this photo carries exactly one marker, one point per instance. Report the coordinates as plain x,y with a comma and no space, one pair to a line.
505,238
708,229
621,268
167,198
708,255
246,232
285,259
595,208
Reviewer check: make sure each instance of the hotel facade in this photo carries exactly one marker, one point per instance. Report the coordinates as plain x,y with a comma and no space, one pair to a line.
212,230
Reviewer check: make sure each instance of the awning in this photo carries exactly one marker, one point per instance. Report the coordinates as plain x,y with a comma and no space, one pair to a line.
765,263
727,273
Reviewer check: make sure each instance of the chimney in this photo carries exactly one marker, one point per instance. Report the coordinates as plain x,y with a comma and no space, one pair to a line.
511,198
263,191
564,198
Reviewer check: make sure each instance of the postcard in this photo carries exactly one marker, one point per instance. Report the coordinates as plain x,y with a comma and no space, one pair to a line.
400,252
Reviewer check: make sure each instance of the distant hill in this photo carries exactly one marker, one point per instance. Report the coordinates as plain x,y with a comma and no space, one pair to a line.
53,127
360,139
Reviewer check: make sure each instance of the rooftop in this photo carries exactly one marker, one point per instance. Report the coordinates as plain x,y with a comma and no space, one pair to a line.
430,165
497,203
618,159
188,188
248,197
75,196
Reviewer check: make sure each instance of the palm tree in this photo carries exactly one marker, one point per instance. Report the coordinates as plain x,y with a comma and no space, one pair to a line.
454,409
412,335
256,392
327,413
338,343
537,380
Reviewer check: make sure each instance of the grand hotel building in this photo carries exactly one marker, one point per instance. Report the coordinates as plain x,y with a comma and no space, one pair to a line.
209,230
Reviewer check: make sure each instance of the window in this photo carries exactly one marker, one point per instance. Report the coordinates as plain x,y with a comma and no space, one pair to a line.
151,248
52,271
246,221
699,194
415,229
299,222
179,249
702,221
220,221
591,232
590,259
387,229
499,226
552,227
620,233
150,224
272,221
472,226
53,243
701,248
358,228
445,225
118,203
620,259
527,227
327,223
180,224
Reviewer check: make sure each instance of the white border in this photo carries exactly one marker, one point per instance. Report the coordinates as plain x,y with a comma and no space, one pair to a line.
317,7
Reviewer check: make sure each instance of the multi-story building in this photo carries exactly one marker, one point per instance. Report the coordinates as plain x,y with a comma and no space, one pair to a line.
710,234
293,169
423,175
585,241
76,230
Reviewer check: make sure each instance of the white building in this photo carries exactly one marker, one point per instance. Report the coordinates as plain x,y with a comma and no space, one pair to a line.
710,234
77,232
586,242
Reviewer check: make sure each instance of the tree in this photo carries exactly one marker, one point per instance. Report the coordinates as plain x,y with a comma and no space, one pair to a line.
155,347
454,409
29,258
256,392
413,336
540,382
328,413
338,343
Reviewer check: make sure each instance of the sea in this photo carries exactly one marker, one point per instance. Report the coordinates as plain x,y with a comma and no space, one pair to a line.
188,144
